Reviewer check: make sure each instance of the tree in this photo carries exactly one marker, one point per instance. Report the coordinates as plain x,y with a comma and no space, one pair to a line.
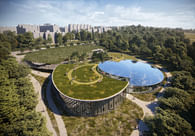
176,99
49,39
104,43
28,38
191,50
99,56
17,103
170,43
89,36
11,38
83,35
68,36
58,38
15,71
77,36
125,45
167,123
64,39
74,55
146,51
39,41
3,37
20,39
5,49
183,80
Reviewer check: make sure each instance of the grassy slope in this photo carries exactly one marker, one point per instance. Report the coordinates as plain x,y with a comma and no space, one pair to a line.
57,55
118,122
84,74
105,88
191,36
120,56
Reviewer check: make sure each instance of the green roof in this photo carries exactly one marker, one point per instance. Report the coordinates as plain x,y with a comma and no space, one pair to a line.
74,87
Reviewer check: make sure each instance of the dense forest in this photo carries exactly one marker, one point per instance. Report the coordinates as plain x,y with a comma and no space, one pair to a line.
165,46
17,97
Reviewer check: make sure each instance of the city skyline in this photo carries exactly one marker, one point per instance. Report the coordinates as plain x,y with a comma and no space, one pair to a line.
48,29
161,13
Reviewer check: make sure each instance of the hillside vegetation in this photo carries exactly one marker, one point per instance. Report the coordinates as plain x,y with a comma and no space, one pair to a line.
18,101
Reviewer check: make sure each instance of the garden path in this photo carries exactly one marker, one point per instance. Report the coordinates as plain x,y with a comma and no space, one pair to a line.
41,106
147,107
100,77
39,73
19,58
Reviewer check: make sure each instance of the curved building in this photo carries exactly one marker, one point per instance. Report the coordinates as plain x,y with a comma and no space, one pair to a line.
83,107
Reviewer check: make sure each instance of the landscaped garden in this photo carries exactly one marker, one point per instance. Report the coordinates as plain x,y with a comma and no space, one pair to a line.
96,90
57,55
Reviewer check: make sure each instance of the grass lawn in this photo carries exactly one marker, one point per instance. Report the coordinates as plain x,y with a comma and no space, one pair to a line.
191,36
57,55
121,56
84,74
105,88
119,122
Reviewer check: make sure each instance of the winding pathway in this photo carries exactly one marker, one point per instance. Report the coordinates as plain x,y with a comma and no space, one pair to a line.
41,106
147,107
19,58
100,77
39,73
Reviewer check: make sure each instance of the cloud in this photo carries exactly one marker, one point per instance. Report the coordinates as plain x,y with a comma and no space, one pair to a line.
91,12
96,14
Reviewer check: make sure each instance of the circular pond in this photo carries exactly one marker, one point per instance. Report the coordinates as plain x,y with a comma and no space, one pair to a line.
140,74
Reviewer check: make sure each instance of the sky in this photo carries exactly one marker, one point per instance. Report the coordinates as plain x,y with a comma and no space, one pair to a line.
156,13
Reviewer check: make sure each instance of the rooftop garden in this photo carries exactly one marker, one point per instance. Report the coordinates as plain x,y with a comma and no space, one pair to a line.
95,88
85,73
57,55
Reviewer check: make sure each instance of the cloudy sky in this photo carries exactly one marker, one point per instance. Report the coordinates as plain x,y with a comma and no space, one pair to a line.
158,13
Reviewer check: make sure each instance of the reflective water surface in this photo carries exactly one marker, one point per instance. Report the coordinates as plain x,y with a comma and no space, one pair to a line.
140,74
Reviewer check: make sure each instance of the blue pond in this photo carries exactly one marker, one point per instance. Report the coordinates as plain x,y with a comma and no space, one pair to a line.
140,74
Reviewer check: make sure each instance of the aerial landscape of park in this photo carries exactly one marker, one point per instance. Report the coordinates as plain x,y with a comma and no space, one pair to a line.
97,68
